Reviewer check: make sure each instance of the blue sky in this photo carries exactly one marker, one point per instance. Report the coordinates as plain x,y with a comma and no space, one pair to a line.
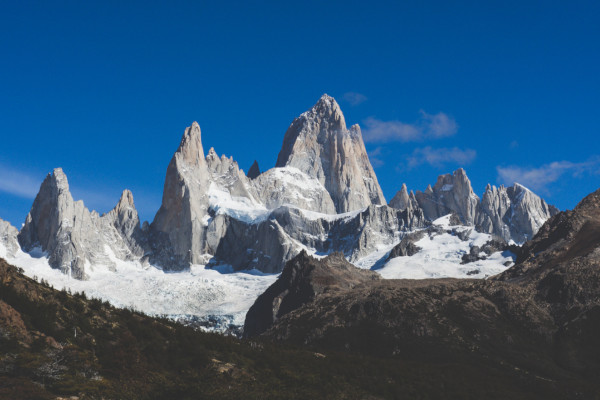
509,90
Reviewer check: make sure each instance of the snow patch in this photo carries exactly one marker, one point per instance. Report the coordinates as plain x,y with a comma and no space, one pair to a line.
240,208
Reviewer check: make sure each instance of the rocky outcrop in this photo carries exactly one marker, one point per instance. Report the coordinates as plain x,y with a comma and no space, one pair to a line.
407,246
512,213
254,171
129,240
302,279
319,144
8,239
403,200
452,193
477,253
75,239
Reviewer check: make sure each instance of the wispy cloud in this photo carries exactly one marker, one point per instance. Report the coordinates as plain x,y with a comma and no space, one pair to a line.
428,126
18,183
375,157
438,125
354,98
440,157
538,178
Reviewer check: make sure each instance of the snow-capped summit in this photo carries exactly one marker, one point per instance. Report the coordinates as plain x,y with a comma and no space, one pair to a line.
319,144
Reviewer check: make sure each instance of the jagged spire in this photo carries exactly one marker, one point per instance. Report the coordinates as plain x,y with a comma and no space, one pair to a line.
254,171
401,200
190,147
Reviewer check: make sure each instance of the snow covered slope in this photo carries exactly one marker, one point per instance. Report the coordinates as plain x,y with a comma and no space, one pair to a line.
209,299
440,255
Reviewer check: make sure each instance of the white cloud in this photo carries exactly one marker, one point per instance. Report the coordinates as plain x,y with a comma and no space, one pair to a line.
18,183
538,178
354,98
429,126
387,131
438,125
440,157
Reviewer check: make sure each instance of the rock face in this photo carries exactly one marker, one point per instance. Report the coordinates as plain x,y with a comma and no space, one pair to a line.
76,239
178,231
407,246
452,193
302,279
131,242
513,213
403,200
286,231
8,239
318,144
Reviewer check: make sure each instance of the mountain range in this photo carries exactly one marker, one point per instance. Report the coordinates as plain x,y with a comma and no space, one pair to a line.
321,197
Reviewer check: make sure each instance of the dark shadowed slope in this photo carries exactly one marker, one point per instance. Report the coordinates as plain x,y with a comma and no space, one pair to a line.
541,317
119,354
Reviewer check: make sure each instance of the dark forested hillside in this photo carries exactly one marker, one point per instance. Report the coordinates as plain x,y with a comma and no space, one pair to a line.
54,344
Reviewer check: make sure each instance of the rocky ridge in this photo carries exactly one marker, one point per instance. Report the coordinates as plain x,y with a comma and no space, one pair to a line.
513,214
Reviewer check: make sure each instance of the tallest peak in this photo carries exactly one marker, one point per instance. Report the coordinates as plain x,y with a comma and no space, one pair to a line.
327,98
329,110
326,101
319,144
